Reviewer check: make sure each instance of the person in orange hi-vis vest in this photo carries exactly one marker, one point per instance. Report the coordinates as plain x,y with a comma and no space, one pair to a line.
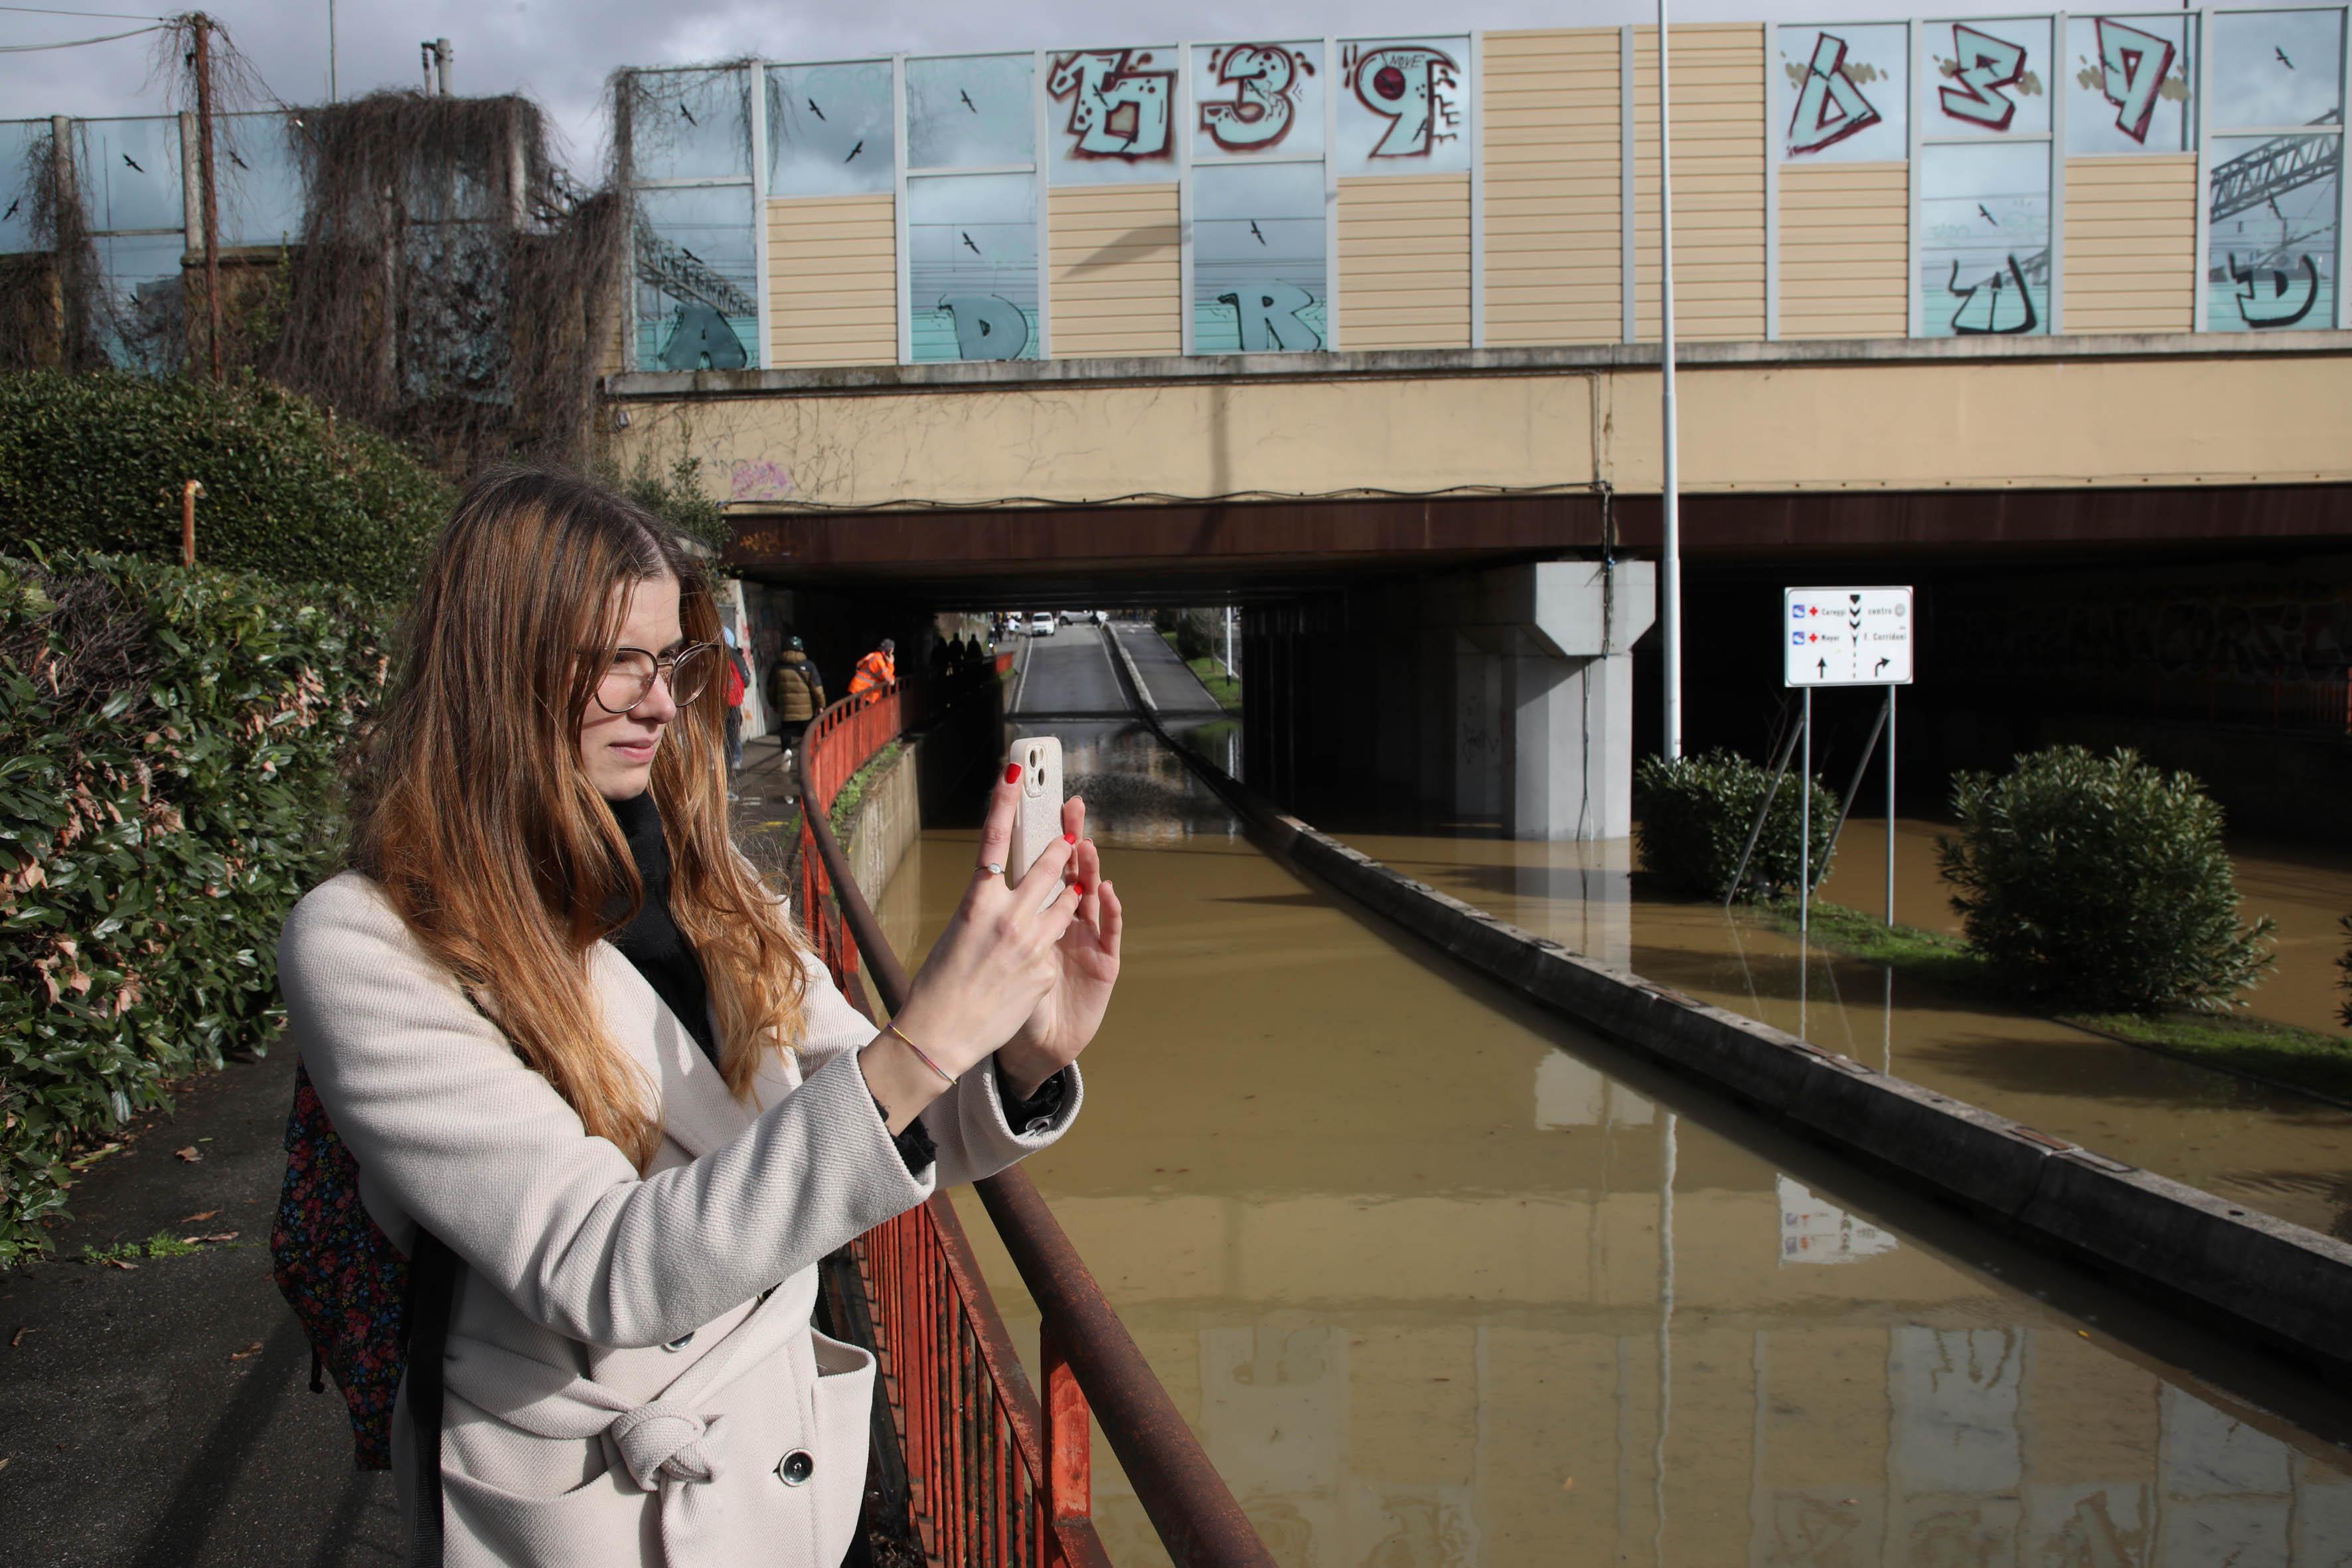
874,671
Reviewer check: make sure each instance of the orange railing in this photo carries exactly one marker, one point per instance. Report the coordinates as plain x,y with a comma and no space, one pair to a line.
995,1475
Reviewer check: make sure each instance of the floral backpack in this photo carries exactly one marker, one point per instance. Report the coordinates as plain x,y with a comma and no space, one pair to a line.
367,1310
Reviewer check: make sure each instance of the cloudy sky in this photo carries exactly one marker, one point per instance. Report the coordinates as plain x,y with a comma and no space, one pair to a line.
558,51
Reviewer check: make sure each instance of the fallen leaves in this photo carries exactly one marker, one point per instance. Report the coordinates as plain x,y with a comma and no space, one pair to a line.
92,1158
198,1218
248,1354
191,1155
220,1236
18,1337
121,1263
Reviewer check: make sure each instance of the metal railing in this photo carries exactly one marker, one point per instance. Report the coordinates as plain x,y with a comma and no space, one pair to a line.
996,1476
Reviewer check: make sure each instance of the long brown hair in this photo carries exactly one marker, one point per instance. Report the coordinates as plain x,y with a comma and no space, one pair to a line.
474,815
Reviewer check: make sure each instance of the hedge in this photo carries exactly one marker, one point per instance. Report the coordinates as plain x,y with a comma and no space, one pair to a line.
169,750
2102,881
98,462
1695,813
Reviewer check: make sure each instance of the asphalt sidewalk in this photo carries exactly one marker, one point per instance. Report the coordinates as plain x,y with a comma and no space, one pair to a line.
161,1415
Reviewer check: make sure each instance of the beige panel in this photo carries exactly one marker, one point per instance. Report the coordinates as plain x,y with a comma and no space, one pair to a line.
1721,140
833,280
1404,262
1117,284
1552,167
2258,418
2131,244
1844,250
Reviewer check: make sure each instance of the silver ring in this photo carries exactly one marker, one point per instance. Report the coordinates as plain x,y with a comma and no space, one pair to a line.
993,869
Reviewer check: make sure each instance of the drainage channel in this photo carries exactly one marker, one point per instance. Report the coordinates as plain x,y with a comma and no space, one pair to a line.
1440,1278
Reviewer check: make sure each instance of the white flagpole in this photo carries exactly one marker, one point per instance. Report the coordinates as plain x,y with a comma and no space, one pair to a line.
1670,550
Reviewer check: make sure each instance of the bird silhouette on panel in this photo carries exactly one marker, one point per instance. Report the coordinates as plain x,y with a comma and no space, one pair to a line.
968,103
132,161
2282,56
815,110
1254,229
12,209
1987,216
239,161
688,113
968,245
855,151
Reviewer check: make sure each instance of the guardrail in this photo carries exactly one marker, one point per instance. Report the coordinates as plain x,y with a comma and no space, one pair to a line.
996,1476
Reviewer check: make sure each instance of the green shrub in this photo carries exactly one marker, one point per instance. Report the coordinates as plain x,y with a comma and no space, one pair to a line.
1696,814
168,750
98,462
2102,881
676,497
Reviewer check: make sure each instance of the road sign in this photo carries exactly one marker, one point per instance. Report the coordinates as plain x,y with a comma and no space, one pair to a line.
1846,636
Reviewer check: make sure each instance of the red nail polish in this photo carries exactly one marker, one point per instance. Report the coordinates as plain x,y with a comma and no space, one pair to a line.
1013,772
1069,838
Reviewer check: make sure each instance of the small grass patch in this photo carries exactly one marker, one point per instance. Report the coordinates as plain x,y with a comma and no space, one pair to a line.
1224,687
2228,1042
852,793
162,1243
2299,1059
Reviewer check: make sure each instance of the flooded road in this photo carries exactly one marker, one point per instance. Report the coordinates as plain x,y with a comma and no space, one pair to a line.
1440,1279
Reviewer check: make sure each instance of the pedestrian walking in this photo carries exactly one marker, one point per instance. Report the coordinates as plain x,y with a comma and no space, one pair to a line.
875,670
797,693
574,1041
738,681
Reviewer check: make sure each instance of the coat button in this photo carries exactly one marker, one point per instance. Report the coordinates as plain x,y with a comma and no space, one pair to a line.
795,1468
681,1343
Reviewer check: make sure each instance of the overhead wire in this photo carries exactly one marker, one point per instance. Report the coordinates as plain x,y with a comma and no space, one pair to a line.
97,15
75,43
1164,498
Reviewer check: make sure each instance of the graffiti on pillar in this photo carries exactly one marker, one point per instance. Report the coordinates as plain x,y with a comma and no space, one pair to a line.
1273,317
1415,90
1264,80
2000,305
1119,109
701,340
987,326
762,478
1830,106
2278,294
2133,65
1981,67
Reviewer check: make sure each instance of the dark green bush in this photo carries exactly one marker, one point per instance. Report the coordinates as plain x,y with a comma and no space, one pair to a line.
98,461
168,750
2101,881
1695,816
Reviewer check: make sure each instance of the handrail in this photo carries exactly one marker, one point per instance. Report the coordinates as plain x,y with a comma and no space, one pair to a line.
1087,1353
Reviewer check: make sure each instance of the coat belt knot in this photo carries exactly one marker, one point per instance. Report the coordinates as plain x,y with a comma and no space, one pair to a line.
662,1442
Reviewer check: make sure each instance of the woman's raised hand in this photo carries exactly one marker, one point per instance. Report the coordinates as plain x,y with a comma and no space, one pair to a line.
1001,954
1086,968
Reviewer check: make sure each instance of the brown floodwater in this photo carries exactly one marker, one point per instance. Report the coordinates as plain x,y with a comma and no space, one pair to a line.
1440,1279
2271,1149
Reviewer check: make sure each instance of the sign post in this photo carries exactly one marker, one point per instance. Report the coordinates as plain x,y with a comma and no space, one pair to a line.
1844,637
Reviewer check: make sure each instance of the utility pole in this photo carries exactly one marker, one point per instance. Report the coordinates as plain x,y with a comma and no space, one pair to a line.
330,51
1670,549
203,26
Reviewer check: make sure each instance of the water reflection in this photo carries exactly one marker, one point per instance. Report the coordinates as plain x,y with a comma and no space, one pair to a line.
1434,1287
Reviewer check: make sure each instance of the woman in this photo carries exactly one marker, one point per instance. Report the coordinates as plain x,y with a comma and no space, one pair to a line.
565,1029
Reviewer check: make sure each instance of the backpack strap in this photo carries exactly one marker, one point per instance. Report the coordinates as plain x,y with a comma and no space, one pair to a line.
432,1288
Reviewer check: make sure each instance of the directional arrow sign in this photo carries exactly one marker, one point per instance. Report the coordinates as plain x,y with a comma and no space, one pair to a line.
1847,636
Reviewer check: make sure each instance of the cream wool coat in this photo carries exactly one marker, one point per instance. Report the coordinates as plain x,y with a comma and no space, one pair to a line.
619,1391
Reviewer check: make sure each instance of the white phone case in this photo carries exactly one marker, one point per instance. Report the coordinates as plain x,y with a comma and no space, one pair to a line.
1039,822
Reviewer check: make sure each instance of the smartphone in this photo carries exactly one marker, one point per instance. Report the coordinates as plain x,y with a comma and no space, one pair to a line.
1039,821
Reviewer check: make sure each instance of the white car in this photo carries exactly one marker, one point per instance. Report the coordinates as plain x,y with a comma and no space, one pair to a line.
1042,624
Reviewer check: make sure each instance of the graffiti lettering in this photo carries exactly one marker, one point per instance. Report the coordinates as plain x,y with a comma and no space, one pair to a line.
1999,306
987,326
1117,110
1270,316
2132,70
1983,66
763,479
1413,87
2290,299
1264,80
703,340
1830,107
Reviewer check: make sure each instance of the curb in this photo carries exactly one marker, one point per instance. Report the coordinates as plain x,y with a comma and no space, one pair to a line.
2290,1286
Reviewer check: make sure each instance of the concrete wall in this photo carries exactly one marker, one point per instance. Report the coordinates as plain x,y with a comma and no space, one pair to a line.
888,819
1966,414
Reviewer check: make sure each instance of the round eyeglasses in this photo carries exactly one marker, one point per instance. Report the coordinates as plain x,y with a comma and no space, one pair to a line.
631,675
